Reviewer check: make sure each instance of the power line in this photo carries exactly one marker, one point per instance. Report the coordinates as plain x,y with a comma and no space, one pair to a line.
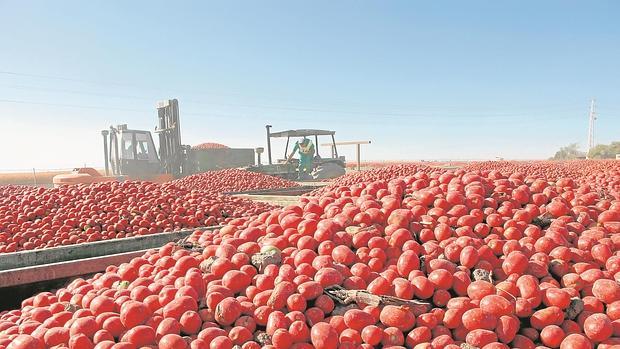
336,111
284,108
67,79
94,82
389,116
69,105
66,105
106,108
53,90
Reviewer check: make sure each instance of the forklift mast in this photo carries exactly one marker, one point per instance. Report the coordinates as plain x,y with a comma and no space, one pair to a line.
172,153
133,153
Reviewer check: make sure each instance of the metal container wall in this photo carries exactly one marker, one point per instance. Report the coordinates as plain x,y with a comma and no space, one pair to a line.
217,159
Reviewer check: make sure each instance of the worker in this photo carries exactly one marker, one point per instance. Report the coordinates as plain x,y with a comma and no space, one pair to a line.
142,153
306,154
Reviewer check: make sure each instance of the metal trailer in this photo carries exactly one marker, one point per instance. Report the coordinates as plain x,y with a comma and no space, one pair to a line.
25,273
217,159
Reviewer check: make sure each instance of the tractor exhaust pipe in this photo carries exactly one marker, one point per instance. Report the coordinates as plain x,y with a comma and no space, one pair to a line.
105,133
268,127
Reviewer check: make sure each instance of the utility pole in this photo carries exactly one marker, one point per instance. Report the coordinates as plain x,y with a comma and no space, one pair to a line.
592,118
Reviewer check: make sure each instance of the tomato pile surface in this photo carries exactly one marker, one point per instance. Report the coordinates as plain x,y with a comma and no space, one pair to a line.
210,145
601,175
33,218
378,164
387,173
233,180
500,261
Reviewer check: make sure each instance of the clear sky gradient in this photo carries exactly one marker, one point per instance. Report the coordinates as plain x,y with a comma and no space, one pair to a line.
422,80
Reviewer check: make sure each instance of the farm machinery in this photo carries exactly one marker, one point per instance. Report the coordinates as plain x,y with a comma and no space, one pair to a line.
322,167
132,154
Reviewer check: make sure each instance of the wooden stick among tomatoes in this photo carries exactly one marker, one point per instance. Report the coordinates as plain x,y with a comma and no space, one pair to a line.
344,296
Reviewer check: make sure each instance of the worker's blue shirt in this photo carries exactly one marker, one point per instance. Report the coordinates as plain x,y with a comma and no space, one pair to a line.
306,154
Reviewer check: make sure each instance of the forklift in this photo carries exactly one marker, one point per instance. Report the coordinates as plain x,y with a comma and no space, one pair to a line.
132,155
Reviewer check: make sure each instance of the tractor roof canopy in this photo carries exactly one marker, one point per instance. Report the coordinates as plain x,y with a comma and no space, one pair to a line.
302,133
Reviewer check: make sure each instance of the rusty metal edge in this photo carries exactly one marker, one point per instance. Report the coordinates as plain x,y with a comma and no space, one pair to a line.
59,254
66,269
274,191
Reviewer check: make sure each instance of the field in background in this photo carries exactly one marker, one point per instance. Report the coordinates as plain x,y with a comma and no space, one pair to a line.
365,165
43,178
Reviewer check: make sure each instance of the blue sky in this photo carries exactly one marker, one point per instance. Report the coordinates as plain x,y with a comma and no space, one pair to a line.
422,80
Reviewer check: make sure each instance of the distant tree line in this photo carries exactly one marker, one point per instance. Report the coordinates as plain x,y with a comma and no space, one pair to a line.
605,151
601,151
568,152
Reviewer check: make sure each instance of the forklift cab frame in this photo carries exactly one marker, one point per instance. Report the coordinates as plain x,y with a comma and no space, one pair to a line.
130,152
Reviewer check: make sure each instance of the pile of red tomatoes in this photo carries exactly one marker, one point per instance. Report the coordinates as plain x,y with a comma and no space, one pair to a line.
386,173
233,180
600,175
33,218
209,145
497,261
